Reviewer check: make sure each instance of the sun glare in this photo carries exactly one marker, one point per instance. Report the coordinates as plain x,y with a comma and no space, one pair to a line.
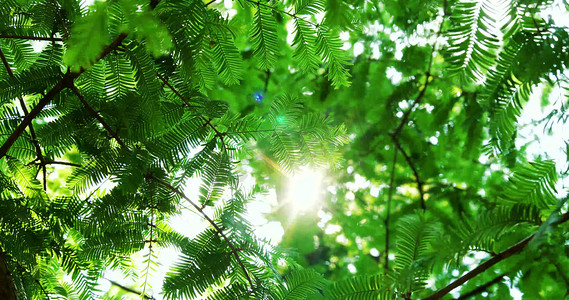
304,189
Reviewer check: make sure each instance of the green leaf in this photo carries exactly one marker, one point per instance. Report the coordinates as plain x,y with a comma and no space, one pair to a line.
88,37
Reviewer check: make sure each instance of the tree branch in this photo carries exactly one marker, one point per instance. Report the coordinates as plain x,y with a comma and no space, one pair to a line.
65,31
98,117
8,289
515,249
417,101
187,103
29,37
53,162
30,127
66,81
482,288
415,172
127,289
210,221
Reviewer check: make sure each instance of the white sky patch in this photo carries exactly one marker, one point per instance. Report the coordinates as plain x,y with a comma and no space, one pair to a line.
358,48
394,75
352,268
374,252
342,239
290,32
548,146
319,17
558,13
272,231
325,217
332,229
375,53
374,191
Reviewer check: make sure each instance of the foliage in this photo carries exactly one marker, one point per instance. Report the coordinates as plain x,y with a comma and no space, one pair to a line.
119,117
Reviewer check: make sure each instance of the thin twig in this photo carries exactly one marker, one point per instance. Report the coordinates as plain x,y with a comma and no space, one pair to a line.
98,117
515,249
417,101
210,221
388,210
187,103
54,162
415,172
58,12
127,289
200,210
34,139
66,81
30,37
482,288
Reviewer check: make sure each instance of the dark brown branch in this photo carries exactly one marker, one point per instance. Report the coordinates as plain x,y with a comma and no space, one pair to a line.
210,221
515,249
210,2
417,101
415,172
37,147
482,288
66,81
98,117
127,289
388,210
58,13
29,37
8,289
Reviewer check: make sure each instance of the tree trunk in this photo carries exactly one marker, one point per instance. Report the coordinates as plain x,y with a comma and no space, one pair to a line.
7,287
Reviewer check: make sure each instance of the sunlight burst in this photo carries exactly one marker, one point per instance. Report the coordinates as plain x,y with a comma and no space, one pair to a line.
304,189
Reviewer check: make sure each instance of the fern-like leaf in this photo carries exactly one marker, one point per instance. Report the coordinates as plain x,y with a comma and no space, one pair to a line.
264,37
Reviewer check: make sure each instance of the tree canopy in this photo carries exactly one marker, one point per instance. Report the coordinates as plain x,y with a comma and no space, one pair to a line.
428,135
